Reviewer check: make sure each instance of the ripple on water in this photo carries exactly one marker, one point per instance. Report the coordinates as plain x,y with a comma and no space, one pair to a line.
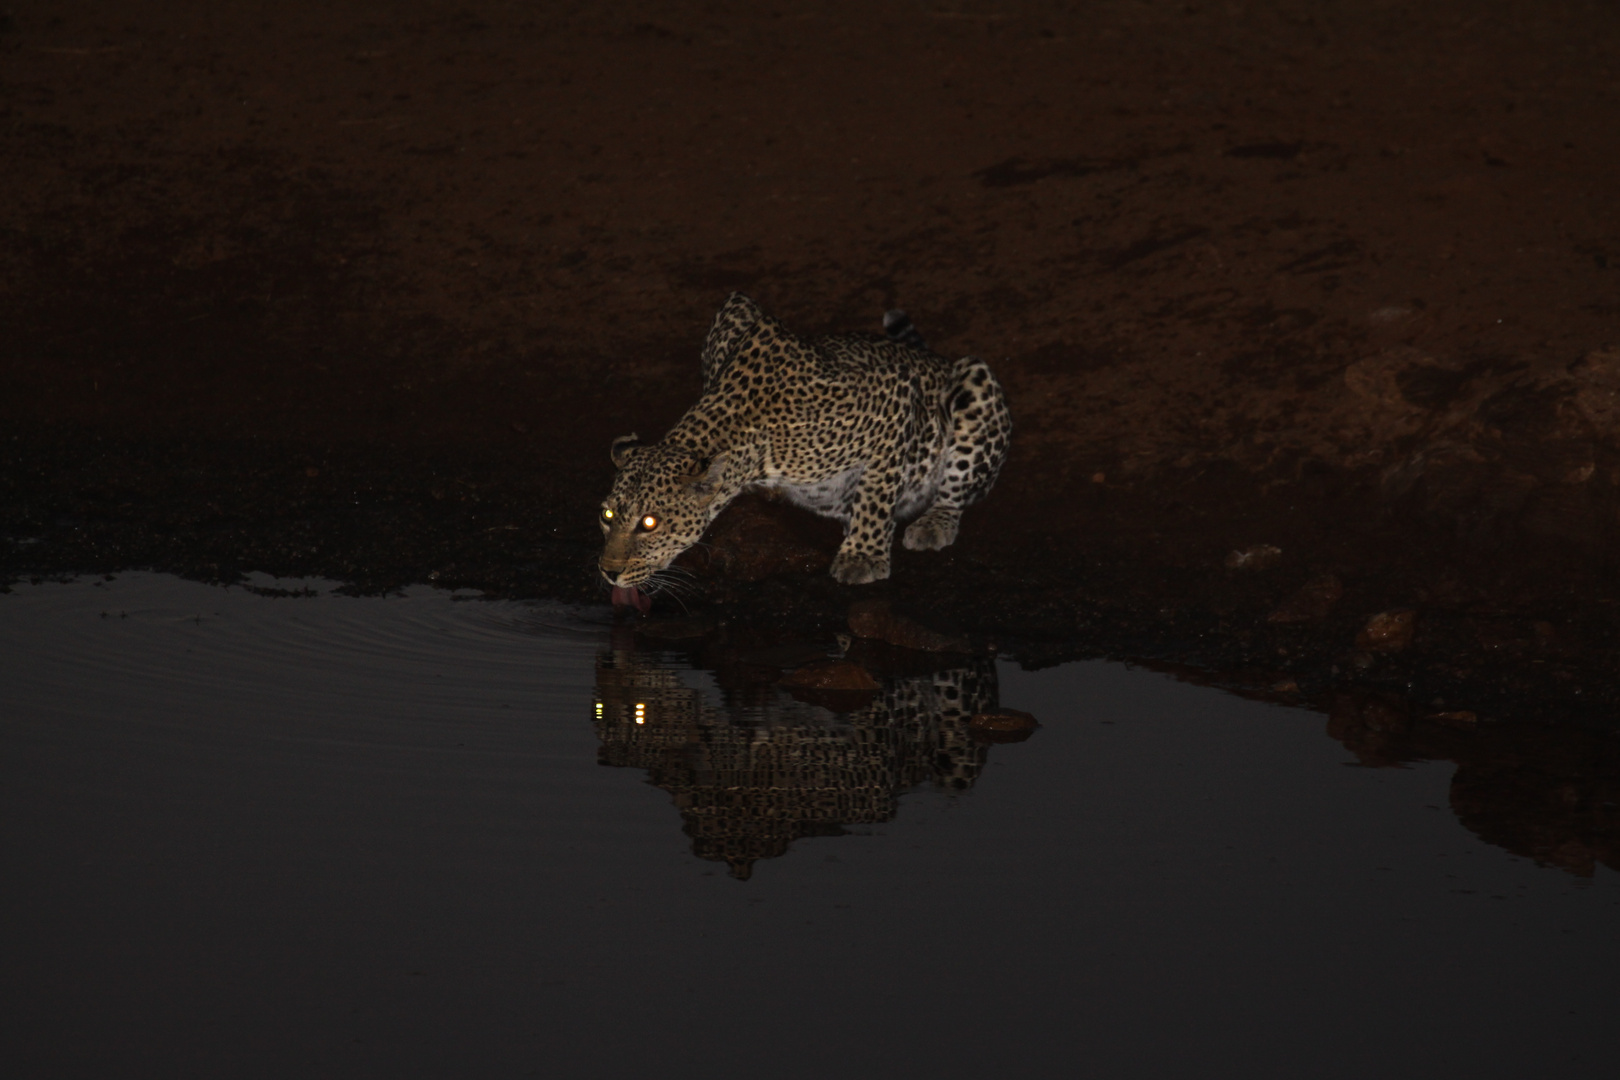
387,818
151,648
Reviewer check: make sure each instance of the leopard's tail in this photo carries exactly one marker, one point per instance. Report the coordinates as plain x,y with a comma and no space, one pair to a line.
898,325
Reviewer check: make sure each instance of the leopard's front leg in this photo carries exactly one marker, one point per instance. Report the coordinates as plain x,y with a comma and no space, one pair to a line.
864,555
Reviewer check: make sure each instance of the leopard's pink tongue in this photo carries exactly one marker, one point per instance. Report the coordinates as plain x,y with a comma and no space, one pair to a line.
631,597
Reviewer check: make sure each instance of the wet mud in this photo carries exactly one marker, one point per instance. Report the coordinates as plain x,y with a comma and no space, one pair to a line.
1306,314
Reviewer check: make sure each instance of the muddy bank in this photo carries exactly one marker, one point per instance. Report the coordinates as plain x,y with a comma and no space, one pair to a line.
312,291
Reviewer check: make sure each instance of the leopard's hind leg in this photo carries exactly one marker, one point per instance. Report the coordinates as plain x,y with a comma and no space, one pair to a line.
981,429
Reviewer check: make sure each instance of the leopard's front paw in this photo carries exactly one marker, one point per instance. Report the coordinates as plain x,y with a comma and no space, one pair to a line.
934,530
860,569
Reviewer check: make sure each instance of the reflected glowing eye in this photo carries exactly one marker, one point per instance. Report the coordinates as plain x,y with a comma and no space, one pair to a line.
607,515
649,523
641,712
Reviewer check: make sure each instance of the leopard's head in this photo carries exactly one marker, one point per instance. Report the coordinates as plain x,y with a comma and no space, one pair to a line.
663,498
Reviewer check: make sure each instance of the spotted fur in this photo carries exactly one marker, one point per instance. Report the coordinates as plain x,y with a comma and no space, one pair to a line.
871,433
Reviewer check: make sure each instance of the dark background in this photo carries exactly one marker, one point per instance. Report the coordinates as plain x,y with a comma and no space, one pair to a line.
364,290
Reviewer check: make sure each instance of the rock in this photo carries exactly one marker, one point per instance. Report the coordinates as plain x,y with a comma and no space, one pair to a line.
831,675
1312,602
872,619
1459,718
1388,631
837,685
1257,557
1003,725
755,538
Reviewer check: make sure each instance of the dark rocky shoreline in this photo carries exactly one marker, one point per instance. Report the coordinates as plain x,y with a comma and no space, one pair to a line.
1511,647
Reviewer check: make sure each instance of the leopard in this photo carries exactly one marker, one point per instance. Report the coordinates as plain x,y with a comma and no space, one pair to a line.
871,432
752,769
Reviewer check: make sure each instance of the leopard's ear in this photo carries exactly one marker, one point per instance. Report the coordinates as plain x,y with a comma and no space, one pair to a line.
704,480
733,325
622,448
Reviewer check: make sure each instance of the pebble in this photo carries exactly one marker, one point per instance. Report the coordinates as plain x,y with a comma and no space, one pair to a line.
1388,631
1003,725
1258,557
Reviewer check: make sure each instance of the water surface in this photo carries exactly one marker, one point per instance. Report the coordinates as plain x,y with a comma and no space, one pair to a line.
251,835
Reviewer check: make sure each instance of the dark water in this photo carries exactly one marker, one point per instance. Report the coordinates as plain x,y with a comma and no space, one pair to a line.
253,836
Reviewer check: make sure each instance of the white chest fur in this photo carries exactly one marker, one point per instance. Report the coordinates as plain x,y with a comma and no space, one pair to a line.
831,497
834,496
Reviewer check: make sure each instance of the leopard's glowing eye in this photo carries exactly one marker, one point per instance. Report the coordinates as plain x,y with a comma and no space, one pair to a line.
607,515
649,523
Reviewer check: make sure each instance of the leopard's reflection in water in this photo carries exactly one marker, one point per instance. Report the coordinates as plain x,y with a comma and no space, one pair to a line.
753,768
